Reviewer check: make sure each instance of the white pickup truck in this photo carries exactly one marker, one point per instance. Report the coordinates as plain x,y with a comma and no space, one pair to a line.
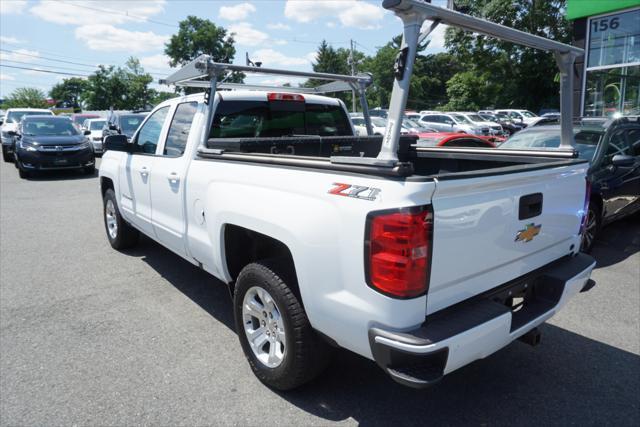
424,266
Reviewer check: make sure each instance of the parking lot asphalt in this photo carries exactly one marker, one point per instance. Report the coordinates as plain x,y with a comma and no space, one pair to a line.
89,335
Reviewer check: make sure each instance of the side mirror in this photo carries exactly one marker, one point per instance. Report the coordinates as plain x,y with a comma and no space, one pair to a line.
623,160
118,143
87,132
113,127
12,133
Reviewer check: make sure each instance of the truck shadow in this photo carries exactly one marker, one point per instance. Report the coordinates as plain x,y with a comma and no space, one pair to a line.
567,379
199,286
617,242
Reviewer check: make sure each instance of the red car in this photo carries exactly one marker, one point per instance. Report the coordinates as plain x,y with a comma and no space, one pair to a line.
453,139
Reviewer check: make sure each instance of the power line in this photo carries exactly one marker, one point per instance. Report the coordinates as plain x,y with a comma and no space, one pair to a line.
44,71
125,14
43,65
61,61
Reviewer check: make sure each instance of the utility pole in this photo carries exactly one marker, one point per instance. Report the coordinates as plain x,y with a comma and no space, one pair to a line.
352,62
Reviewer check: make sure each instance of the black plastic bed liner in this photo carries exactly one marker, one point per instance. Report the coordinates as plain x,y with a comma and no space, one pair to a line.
310,146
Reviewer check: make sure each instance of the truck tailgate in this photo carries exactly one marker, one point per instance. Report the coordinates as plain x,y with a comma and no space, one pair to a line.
479,240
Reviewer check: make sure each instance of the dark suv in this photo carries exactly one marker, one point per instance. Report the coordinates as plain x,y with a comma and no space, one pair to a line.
613,149
123,124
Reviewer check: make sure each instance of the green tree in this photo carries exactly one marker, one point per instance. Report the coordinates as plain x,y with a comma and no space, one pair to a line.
516,75
121,88
198,36
25,97
69,90
334,61
138,95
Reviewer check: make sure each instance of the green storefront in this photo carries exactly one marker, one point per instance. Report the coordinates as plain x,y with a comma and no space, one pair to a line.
609,31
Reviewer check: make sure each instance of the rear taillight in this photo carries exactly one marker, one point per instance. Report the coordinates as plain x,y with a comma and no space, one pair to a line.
398,251
276,96
585,210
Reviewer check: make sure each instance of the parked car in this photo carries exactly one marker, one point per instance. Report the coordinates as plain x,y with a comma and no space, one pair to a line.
122,124
523,116
379,112
613,149
92,129
507,123
494,128
79,118
452,139
10,125
447,122
378,124
50,142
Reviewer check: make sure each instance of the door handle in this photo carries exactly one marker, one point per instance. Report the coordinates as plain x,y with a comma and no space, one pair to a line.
144,171
173,177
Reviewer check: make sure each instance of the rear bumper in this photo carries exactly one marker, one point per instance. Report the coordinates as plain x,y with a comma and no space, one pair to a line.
478,327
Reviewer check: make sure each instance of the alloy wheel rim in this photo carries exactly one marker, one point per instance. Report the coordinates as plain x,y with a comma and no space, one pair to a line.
590,229
264,327
112,223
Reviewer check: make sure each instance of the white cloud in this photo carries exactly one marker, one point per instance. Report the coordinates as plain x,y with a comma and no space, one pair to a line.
15,6
87,12
159,62
279,26
351,13
22,55
331,24
244,34
281,81
270,58
110,39
6,77
10,40
437,38
237,12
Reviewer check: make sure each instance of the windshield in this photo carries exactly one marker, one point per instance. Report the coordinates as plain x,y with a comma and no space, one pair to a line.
129,124
16,116
378,122
461,119
96,125
489,117
528,113
412,124
586,141
54,126
475,117
80,119
249,119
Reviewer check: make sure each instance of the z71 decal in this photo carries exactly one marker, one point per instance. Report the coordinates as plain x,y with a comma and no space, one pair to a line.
355,191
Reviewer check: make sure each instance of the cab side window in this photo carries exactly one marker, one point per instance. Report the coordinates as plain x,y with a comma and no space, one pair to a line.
617,145
633,137
179,129
149,133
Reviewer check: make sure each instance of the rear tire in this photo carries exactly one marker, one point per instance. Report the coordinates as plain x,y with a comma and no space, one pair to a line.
23,173
120,234
285,352
7,157
592,228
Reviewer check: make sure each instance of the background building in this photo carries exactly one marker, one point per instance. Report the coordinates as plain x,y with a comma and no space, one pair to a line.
609,74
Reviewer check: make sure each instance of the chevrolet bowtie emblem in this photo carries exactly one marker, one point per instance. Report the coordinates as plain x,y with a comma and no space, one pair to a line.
530,231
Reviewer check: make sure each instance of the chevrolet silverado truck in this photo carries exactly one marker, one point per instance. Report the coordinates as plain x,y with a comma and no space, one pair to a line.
422,259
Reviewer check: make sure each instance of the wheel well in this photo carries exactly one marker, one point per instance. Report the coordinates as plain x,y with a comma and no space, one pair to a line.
243,246
105,184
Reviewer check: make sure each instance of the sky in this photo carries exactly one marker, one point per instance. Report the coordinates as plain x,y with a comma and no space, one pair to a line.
71,37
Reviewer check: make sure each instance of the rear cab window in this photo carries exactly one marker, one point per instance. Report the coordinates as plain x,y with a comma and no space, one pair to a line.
254,119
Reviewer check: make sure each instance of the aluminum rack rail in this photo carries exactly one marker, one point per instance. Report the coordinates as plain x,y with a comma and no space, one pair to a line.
205,73
413,14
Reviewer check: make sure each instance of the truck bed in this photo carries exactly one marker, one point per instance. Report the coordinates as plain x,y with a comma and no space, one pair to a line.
336,153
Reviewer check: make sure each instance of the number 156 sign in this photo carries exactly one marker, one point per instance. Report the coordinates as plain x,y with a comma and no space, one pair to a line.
605,24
